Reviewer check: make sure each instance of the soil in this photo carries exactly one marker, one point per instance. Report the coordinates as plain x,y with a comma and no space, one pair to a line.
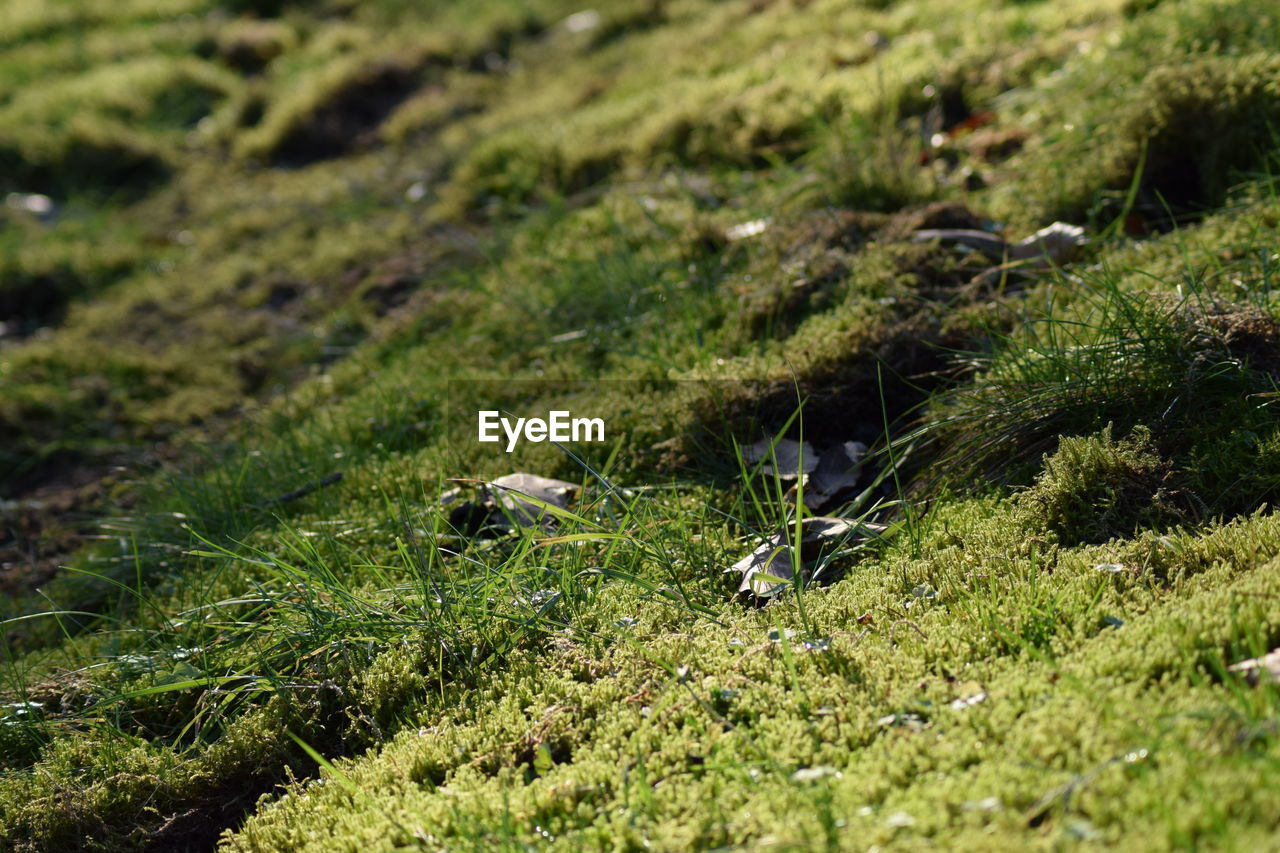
348,120
50,517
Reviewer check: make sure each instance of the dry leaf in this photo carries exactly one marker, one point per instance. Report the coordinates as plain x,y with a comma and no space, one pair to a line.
767,570
1053,244
1263,670
969,695
1056,244
990,245
837,471
581,22
512,488
744,230
504,499
788,456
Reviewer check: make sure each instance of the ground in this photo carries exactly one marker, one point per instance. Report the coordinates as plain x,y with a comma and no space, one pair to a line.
261,263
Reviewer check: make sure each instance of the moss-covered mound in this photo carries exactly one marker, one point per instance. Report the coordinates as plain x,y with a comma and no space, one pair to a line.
262,263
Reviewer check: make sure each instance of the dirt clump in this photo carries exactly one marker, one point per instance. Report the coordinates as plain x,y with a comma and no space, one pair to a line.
348,119
52,514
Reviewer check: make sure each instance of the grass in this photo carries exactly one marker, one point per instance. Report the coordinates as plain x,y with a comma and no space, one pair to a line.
1175,358
290,249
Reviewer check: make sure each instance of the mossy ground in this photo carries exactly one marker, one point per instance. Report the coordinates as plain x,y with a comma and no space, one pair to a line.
294,240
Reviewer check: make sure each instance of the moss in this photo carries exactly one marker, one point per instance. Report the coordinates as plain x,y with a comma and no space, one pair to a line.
328,113
650,746
1095,488
250,44
1226,110
123,142
88,156
563,205
1182,134
1070,376
126,799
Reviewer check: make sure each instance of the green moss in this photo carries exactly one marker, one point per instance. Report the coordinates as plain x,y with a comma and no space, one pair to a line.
113,129
1226,110
325,113
1182,125
87,156
43,18
635,752
1112,351
1095,488
250,44
349,207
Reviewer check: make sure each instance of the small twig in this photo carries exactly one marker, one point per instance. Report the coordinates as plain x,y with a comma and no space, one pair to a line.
910,625
1038,812
857,637
302,492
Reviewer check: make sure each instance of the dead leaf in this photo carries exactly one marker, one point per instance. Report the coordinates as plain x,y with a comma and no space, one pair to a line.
512,490
813,774
837,471
1053,244
765,570
770,567
789,456
519,497
990,245
1263,670
968,699
581,22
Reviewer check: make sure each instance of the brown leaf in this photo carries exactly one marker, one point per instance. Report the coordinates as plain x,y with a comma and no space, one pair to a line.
513,488
766,570
990,245
1053,244
515,497
1263,670
837,471
792,458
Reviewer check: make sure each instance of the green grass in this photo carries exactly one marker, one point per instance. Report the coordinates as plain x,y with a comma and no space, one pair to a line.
295,246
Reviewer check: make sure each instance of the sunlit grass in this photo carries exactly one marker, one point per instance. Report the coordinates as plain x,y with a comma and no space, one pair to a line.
267,297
